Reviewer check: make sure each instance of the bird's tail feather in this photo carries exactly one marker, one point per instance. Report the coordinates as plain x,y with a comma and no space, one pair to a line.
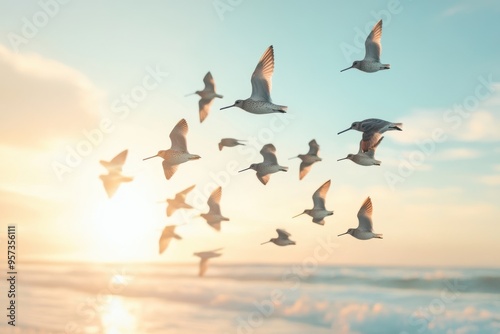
281,109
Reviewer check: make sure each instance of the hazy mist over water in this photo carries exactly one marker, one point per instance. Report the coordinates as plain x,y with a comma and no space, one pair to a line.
163,298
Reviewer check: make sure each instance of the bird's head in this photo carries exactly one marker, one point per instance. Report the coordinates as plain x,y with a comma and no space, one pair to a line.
303,212
252,166
349,156
237,103
270,240
354,126
159,154
357,126
349,231
355,64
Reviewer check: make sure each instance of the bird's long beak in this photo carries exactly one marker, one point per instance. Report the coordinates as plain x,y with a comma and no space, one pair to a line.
292,158
154,156
266,242
344,131
244,170
341,234
160,202
342,159
345,69
298,214
232,105
190,94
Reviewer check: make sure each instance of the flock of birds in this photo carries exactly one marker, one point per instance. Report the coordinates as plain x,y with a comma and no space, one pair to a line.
260,103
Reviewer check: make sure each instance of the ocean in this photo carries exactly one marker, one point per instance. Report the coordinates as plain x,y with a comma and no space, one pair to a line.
53,298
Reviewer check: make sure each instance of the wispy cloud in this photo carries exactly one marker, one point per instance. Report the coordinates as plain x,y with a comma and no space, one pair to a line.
469,6
490,180
458,154
457,123
42,99
456,9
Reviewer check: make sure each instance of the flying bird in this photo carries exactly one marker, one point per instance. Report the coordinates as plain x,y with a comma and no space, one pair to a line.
260,101
116,163
112,181
372,129
365,158
178,153
373,48
207,95
214,216
178,202
229,142
114,178
319,212
268,166
204,257
282,239
167,235
364,231
308,159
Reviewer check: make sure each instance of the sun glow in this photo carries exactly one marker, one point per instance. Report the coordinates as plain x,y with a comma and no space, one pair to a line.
122,225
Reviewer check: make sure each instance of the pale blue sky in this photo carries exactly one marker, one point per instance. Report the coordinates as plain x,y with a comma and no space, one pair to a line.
437,52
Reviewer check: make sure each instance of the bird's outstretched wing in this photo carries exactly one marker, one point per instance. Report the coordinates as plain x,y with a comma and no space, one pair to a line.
215,225
208,80
204,108
178,136
203,266
320,195
170,209
116,163
373,44
365,216
214,200
263,178
319,221
261,77
304,169
282,233
313,148
268,152
181,196
112,181
370,140
371,151
168,170
167,235
110,185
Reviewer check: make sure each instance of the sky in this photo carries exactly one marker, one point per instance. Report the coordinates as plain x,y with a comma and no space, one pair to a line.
100,77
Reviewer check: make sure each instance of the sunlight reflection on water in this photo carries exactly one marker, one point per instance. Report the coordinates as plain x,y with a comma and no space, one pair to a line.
117,317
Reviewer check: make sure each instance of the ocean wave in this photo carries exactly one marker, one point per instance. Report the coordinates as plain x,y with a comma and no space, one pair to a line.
96,277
